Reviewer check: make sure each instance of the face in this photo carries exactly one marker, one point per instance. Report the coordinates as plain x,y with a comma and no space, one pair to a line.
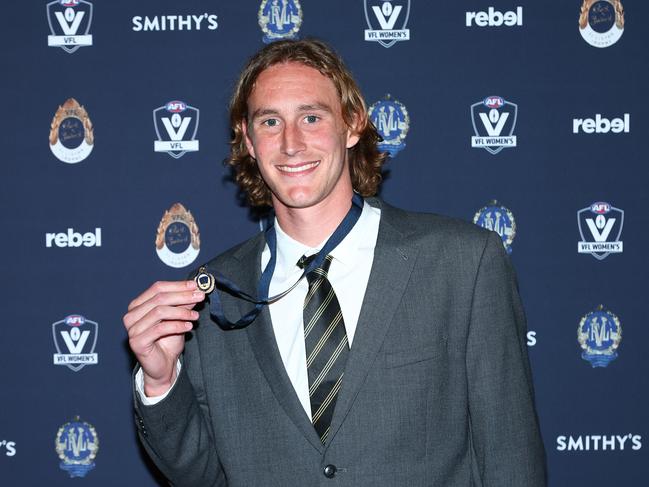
296,132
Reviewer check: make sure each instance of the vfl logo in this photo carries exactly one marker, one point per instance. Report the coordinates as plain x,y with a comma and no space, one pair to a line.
77,445
391,119
279,19
66,18
493,120
599,335
499,219
603,224
178,241
601,22
75,339
180,123
382,17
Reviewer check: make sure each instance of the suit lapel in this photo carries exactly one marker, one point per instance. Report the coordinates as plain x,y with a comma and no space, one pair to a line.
394,258
264,345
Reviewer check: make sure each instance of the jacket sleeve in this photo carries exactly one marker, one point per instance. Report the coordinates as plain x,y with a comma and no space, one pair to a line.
505,436
175,432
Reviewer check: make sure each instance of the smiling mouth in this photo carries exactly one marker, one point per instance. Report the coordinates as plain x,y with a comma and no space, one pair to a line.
299,168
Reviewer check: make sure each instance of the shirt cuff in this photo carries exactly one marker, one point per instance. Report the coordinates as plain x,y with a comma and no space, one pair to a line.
139,387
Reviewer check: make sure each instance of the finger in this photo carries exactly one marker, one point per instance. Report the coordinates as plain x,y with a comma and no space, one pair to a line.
161,314
143,343
162,287
186,298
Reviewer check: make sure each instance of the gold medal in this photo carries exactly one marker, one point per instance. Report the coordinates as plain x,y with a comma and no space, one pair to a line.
204,280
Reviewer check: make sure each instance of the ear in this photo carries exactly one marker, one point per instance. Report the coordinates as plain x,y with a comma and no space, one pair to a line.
353,132
248,140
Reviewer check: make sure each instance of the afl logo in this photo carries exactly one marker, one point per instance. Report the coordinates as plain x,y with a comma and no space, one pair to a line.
493,102
177,240
71,133
601,22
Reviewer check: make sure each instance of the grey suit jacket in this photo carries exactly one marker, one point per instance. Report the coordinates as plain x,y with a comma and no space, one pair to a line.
437,388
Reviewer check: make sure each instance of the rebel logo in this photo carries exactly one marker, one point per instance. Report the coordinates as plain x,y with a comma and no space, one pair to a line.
73,239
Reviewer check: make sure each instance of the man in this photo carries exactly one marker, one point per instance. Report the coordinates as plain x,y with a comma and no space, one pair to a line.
411,367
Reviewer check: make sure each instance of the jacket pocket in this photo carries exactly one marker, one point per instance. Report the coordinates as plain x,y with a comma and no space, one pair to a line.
400,358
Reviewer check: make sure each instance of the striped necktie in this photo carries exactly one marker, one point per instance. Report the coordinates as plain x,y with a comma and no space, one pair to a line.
327,347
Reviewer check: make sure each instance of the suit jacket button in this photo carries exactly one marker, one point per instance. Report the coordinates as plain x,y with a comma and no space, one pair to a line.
329,471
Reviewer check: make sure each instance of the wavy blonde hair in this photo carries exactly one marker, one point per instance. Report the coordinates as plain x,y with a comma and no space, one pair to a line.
365,160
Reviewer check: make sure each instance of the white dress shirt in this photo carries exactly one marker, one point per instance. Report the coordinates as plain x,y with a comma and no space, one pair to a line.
348,274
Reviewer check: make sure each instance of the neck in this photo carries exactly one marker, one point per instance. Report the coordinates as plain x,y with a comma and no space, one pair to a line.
310,226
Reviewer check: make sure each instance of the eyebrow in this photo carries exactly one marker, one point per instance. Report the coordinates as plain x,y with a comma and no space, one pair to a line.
263,112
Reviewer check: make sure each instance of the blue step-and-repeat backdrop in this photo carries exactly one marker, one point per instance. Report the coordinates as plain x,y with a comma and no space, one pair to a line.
527,117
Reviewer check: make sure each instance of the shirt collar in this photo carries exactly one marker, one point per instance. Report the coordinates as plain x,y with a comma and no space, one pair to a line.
290,250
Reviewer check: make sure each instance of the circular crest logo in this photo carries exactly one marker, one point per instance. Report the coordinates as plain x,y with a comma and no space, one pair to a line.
601,22
177,240
71,135
391,119
599,335
77,445
499,219
279,19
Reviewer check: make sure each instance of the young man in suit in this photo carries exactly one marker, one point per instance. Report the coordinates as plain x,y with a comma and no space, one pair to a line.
398,360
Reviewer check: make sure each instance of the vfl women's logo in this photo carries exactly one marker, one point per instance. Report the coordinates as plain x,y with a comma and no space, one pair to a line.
279,19
601,22
177,240
494,119
180,123
66,18
77,445
75,339
71,134
382,17
391,119
600,228
499,219
599,335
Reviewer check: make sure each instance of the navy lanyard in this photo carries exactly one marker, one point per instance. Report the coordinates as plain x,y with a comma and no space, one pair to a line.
216,308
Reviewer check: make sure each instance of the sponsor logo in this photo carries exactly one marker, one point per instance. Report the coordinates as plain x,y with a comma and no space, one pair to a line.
599,442
494,18
601,22
75,339
386,21
7,448
174,22
531,338
599,335
391,119
180,123
601,125
499,219
67,19
494,119
71,133
77,445
177,240
600,227
279,19
73,239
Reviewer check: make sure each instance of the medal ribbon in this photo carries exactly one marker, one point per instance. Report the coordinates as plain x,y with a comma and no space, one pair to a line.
216,308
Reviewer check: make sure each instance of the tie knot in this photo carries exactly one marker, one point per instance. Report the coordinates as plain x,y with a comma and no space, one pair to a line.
317,272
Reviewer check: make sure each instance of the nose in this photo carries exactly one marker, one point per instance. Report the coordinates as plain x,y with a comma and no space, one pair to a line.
292,140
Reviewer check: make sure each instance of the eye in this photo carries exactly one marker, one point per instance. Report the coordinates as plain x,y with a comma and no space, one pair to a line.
311,118
271,122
